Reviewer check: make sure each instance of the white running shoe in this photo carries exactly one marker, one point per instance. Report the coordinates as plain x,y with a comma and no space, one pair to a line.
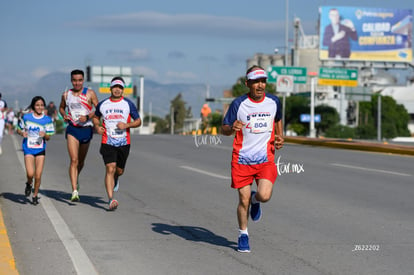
75,196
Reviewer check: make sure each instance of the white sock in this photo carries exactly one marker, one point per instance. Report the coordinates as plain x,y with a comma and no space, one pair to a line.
243,232
254,201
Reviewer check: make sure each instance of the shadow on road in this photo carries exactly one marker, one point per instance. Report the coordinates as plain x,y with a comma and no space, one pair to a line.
17,198
65,198
59,196
193,233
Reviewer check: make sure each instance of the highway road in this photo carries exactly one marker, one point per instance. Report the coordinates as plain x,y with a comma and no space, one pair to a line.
333,211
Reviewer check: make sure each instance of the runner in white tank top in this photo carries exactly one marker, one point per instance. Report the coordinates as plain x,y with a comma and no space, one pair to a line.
79,102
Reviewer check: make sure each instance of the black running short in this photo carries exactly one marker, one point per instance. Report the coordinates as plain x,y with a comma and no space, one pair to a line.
115,154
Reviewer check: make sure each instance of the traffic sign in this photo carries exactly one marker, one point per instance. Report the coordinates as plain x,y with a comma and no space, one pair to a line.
104,88
358,94
307,118
299,73
338,77
284,83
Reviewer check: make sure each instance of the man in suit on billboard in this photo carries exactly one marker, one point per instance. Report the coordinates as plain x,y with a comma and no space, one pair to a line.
337,36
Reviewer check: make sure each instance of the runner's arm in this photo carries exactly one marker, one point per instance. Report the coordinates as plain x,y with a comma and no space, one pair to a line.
62,107
279,140
228,130
134,124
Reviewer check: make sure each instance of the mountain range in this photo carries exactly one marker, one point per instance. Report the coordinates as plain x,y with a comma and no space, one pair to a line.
156,95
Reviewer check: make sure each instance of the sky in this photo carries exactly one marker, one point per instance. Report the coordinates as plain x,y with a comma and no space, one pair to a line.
180,41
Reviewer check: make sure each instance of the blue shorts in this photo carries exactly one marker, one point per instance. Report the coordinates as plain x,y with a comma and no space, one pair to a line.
83,134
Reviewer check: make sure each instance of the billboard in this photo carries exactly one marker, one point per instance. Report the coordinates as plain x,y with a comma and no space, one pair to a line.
367,34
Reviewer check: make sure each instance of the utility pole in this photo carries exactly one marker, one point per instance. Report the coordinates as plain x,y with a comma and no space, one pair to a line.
172,120
379,117
312,132
286,32
141,98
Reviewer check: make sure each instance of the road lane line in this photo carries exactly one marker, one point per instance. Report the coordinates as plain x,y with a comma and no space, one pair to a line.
205,172
371,169
7,261
80,259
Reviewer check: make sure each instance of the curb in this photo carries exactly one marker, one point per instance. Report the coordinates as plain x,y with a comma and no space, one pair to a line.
353,145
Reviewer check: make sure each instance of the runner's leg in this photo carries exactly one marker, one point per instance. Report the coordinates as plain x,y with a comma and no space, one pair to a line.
73,149
243,206
30,168
83,151
40,161
264,190
109,178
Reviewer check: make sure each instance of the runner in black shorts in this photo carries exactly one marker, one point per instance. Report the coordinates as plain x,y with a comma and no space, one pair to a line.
119,114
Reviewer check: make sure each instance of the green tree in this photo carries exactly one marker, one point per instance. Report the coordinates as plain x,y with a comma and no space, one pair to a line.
180,112
340,131
295,106
329,118
154,119
161,126
394,118
239,88
215,120
299,128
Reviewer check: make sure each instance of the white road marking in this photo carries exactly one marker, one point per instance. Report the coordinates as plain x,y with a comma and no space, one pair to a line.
371,169
205,172
80,259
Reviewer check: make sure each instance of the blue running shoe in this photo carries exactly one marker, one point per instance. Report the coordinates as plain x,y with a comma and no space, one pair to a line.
243,243
255,210
116,186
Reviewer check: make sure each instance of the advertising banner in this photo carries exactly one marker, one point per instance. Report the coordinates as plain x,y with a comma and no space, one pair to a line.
365,34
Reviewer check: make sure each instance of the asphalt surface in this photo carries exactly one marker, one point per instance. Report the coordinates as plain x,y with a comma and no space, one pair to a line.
333,211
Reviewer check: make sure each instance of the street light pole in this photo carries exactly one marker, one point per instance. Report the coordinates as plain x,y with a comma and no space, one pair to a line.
286,60
312,132
141,99
379,117
312,109
286,32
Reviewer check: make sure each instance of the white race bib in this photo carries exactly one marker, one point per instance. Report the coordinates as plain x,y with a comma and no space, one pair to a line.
114,132
76,114
35,142
261,124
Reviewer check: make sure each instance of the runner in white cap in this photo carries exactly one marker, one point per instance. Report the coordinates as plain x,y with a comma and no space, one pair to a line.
118,115
255,119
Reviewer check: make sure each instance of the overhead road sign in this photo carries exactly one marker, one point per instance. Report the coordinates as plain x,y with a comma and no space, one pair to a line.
104,74
104,88
358,94
338,77
298,73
